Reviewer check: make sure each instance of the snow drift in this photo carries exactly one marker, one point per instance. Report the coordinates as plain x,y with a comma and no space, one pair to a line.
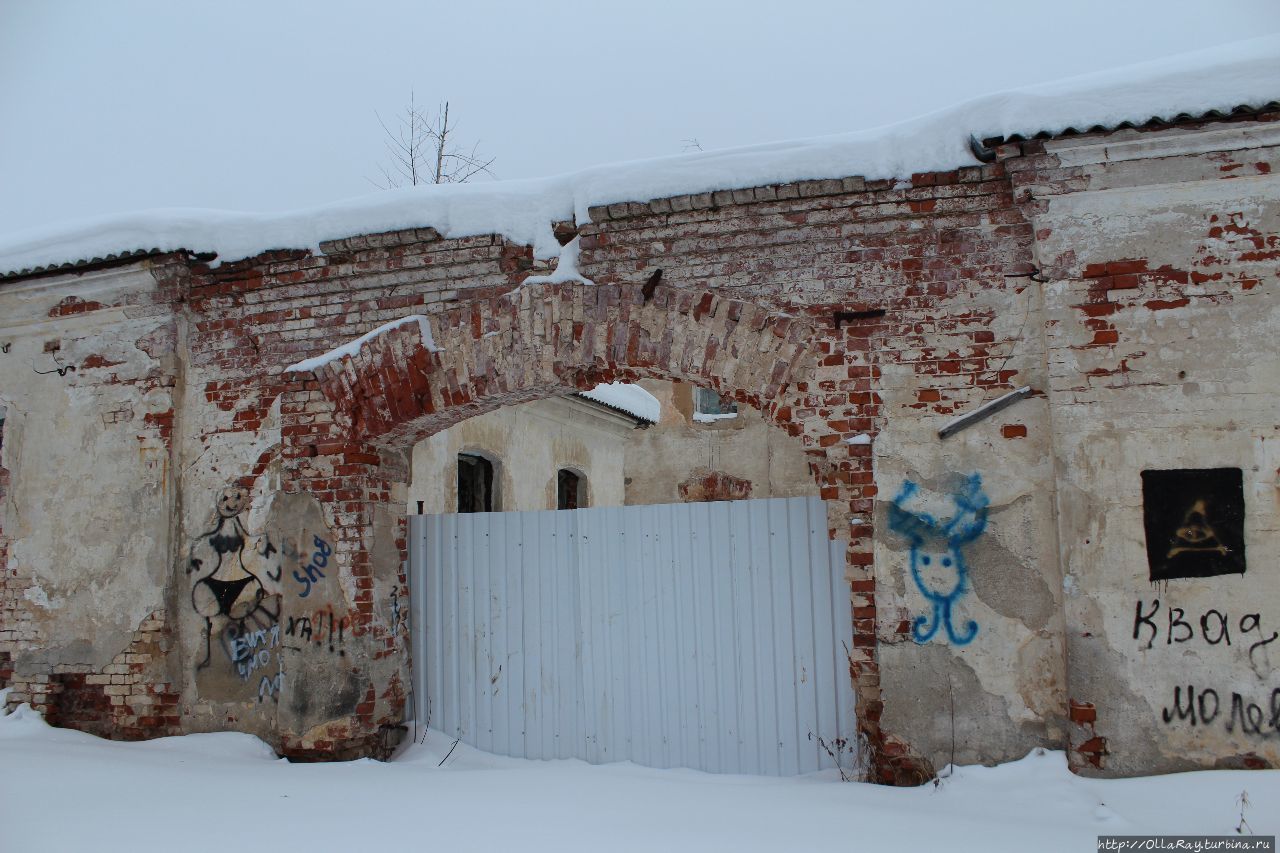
65,790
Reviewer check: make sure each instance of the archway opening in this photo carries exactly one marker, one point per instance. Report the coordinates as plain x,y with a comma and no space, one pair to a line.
530,346
670,580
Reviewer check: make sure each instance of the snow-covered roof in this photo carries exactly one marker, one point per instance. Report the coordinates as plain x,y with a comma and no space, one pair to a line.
1219,78
631,399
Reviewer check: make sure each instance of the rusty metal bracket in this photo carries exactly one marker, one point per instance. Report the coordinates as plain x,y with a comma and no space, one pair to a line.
984,411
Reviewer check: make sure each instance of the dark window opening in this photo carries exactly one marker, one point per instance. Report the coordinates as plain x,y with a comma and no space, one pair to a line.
571,490
475,483
1194,522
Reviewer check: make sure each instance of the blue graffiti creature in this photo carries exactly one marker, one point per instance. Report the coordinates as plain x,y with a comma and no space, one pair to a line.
937,561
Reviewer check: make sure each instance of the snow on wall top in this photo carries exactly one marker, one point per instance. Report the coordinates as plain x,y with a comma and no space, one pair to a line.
631,399
351,348
622,396
1218,78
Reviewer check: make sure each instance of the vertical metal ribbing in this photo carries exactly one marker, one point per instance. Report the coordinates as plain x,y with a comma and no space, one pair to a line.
710,636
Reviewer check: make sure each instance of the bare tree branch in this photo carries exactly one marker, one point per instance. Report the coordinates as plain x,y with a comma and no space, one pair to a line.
422,149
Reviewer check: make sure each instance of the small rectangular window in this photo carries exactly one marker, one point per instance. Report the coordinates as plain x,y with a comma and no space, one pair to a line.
710,406
475,483
569,490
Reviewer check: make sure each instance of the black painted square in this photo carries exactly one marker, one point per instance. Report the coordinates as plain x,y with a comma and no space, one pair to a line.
1195,522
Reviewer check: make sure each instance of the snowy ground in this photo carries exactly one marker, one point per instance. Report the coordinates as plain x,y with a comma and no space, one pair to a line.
62,790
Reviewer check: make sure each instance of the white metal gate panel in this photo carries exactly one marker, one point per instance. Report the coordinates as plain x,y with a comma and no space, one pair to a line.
706,635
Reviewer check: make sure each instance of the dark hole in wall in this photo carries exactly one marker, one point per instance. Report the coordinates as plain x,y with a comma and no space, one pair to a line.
475,483
73,704
1194,520
569,491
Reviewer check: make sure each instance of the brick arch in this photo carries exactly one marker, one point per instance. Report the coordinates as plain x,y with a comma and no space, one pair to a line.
348,427
540,341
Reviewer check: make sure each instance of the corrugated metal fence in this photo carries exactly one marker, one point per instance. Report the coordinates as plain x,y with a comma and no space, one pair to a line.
708,635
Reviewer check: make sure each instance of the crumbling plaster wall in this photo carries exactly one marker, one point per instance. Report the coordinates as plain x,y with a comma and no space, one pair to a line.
87,374
228,438
967,585
678,451
528,444
1162,255
276,633
309,649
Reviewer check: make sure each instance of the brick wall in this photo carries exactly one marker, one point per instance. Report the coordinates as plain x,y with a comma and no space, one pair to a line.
758,289
1163,253
839,308
10,585
87,474
125,700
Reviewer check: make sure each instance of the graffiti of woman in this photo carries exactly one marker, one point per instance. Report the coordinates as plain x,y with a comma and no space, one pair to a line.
229,589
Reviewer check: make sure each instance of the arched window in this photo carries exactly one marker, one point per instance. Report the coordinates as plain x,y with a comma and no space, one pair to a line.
571,489
475,483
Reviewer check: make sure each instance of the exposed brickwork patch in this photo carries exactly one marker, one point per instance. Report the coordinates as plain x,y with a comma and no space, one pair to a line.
74,305
714,486
124,701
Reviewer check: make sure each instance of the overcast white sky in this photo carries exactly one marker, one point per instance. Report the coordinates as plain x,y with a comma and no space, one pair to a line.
114,106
